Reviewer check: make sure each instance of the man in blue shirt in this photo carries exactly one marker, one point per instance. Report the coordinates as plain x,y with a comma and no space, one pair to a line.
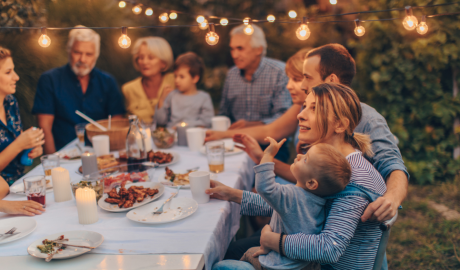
76,86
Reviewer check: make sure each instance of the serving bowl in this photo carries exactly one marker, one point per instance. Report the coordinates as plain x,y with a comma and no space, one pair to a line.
164,137
117,133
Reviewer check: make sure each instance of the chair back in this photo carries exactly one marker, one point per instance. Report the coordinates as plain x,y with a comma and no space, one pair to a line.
386,228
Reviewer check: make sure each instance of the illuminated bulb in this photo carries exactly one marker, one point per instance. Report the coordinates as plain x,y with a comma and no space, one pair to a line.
422,27
203,25
303,32
270,18
124,41
249,30
360,30
212,38
246,20
149,12
223,21
410,21
200,19
122,4
137,9
292,14
173,15
164,17
44,40
333,2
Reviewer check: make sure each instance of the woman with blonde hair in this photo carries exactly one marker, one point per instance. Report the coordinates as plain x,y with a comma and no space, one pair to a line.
153,58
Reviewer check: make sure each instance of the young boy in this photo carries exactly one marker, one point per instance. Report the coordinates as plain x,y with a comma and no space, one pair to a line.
186,103
322,172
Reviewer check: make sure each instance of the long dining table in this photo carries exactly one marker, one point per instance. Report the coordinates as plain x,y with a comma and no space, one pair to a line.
196,242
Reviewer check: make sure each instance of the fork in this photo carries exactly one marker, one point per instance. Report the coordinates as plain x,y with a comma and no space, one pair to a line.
160,211
10,232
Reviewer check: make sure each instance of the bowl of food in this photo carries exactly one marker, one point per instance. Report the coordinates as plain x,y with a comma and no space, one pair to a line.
117,133
93,183
164,137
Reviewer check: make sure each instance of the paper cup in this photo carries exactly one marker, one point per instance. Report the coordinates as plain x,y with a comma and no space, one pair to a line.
195,138
220,123
101,145
199,182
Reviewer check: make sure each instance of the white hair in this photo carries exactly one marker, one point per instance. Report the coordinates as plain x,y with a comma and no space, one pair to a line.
84,35
257,38
158,46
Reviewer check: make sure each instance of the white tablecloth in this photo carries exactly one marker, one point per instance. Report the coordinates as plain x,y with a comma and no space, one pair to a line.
208,231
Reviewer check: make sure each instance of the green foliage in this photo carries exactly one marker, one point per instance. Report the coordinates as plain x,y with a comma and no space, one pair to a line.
21,12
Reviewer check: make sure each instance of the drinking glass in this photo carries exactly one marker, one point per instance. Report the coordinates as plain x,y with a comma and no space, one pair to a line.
49,162
215,152
35,189
80,130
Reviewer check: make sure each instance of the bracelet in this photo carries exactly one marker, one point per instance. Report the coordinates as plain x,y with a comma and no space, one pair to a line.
281,244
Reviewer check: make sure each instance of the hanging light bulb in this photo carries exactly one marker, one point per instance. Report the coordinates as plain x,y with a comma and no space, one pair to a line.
149,12
270,18
422,27
410,21
333,2
122,4
246,20
124,41
211,37
164,17
292,14
200,19
173,15
359,29
203,25
303,32
137,9
249,30
223,21
44,40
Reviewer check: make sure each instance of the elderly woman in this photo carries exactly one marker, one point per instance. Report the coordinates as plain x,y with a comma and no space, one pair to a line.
153,58
13,141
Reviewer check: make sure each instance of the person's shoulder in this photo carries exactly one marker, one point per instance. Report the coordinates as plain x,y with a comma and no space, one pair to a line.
369,113
203,93
275,64
11,100
233,71
104,74
131,85
365,174
169,78
54,71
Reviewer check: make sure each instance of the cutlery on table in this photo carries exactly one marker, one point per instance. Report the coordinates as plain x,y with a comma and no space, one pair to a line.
9,233
193,169
160,211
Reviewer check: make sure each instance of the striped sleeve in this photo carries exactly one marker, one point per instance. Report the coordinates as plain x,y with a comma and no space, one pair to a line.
328,246
253,205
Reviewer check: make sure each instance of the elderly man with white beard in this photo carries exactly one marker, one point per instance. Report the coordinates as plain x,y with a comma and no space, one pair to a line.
77,85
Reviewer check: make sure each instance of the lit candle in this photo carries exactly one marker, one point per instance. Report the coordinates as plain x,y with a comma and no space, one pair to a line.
147,139
86,205
181,134
89,163
61,184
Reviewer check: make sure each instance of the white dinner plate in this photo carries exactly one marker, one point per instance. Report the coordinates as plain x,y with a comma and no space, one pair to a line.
114,207
161,179
19,188
176,209
24,226
176,158
80,238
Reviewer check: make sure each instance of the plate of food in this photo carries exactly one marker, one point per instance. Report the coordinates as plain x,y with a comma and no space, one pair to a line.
176,209
65,245
163,158
174,179
19,187
130,196
22,226
72,153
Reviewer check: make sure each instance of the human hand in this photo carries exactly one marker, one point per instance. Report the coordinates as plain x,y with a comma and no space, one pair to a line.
384,208
238,124
28,208
262,251
30,138
36,152
273,148
252,147
222,192
268,238
212,135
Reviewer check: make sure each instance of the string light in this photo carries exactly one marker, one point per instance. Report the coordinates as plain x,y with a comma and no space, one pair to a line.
124,41
223,21
164,17
292,14
246,20
203,25
149,12
249,30
410,21
137,9
422,27
200,19
44,40
359,29
303,32
211,37
122,4
270,18
173,15
333,2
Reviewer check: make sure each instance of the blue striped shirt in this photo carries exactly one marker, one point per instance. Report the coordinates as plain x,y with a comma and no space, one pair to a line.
345,242
264,98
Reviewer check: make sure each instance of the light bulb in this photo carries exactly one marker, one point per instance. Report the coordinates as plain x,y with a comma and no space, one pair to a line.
173,15
212,38
303,32
124,41
203,25
44,40
223,21
292,14
249,30
246,20
122,4
360,30
333,2
149,12
410,22
200,19
163,17
422,27
137,9
270,18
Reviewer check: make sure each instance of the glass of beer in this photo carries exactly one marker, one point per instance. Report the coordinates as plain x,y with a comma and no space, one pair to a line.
215,152
35,189
80,130
49,162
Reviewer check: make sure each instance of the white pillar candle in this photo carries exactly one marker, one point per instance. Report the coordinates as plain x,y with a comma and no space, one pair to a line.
61,184
89,163
86,205
181,135
147,139
101,145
